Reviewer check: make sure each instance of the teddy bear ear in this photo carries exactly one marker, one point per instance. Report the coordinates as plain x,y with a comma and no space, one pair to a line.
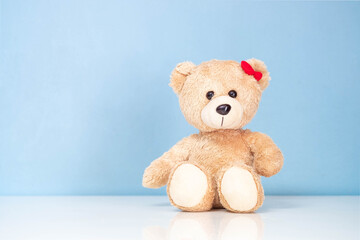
259,66
179,74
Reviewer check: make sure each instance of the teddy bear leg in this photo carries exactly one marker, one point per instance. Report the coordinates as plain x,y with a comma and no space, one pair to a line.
190,188
240,189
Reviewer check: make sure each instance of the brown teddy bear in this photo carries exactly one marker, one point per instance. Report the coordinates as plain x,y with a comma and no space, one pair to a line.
222,164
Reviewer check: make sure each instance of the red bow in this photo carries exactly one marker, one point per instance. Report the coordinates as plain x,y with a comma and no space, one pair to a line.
250,71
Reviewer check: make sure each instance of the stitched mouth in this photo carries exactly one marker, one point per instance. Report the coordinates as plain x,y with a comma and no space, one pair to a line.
222,121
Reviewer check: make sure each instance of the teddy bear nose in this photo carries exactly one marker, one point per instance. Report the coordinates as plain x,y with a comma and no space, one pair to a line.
223,109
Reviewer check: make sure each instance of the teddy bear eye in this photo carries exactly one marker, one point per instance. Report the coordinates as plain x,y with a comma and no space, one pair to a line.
209,95
233,94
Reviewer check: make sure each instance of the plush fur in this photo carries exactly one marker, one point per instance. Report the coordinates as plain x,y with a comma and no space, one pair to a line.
215,150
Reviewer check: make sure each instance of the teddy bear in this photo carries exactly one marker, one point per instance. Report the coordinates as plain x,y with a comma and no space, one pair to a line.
221,166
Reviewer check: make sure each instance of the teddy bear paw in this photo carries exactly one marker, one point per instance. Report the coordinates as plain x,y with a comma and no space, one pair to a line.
239,190
187,187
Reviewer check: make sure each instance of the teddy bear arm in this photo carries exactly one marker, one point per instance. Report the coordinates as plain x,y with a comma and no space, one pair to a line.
157,174
268,159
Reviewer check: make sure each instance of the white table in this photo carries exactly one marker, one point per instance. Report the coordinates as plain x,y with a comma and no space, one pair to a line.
153,218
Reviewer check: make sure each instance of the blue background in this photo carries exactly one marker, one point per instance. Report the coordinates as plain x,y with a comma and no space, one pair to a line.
85,104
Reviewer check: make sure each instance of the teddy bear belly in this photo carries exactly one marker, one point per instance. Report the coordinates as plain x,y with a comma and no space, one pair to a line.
213,161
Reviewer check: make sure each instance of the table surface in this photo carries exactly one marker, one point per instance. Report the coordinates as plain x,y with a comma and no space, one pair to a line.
153,218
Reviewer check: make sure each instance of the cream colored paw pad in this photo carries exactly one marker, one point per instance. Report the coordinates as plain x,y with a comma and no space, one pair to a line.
239,189
188,185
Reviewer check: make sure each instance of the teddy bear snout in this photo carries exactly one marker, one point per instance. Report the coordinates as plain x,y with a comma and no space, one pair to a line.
223,109
222,112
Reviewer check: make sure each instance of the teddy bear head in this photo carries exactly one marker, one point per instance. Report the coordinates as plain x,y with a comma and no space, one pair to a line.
219,94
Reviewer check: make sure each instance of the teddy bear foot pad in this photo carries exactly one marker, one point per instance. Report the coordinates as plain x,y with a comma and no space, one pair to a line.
188,188
239,190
